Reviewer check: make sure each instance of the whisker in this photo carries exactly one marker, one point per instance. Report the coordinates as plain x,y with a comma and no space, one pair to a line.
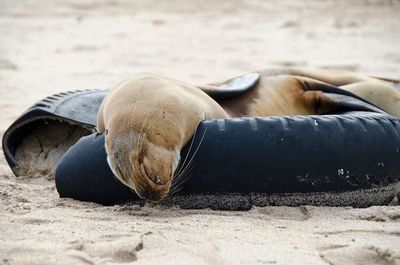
183,172
187,155
182,177
179,186
197,149
178,180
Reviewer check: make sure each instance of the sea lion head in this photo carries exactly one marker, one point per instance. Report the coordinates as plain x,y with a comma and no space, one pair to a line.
145,167
147,120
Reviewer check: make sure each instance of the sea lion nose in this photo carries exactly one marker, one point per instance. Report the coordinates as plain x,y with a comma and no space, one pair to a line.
153,177
157,180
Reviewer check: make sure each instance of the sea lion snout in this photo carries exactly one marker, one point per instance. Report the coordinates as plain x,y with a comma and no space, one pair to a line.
157,165
156,175
146,168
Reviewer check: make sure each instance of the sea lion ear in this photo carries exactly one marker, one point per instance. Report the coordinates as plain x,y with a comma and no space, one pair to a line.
231,88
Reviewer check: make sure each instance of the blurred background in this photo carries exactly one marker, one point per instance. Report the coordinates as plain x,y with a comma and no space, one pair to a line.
50,46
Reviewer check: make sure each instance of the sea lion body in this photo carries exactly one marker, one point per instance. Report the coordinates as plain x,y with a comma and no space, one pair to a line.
148,118
302,91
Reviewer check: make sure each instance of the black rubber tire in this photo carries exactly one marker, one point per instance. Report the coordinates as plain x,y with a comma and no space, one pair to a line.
347,159
77,107
337,160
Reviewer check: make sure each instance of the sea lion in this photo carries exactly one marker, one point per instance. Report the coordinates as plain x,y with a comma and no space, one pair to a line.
307,91
148,118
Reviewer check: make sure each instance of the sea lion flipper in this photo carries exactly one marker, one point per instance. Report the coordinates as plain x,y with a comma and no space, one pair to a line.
329,99
231,88
338,103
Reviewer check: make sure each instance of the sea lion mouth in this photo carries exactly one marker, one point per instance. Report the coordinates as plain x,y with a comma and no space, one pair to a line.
157,180
148,190
155,188
154,178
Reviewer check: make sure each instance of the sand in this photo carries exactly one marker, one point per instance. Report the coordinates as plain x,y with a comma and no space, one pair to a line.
52,46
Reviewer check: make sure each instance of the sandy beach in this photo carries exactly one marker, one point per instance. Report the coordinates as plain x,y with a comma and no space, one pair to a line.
52,46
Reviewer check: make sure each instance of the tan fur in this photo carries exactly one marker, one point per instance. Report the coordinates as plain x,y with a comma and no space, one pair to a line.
284,95
380,94
294,91
148,118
